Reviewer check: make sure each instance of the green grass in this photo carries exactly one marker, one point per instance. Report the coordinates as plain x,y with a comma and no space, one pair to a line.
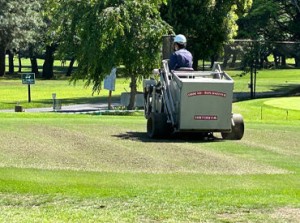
59,68
99,168
292,103
75,168
282,80
270,109
14,92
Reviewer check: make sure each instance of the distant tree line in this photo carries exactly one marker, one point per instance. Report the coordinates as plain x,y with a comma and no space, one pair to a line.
267,54
275,26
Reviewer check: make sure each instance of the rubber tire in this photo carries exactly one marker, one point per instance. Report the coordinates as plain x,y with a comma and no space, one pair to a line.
157,126
237,131
147,105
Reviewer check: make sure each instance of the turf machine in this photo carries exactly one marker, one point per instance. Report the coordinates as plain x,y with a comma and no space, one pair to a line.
191,101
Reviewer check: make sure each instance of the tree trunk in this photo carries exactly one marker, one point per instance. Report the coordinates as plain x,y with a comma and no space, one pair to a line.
225,60
233,61
133,90
283,61
260,63
276,60
297,62
213,59
11,62
70,68
195,61
48,63
2,60
34,66
20,63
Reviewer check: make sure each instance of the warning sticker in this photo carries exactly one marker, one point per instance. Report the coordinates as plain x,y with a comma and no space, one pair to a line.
206,117
202,93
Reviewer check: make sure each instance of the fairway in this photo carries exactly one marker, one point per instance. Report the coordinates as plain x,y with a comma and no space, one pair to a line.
114,144
109,115
103,168
97,168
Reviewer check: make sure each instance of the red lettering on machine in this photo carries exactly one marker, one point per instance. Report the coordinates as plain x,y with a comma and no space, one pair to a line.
206,117
201,93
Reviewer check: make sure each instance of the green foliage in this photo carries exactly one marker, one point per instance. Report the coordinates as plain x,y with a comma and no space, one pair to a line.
106,34
18,22
272,20
260,21
208,24
284,80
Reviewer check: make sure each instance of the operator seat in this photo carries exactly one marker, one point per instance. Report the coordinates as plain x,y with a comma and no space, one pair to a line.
184,72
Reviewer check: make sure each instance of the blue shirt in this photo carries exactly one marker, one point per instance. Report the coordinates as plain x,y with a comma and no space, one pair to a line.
181,58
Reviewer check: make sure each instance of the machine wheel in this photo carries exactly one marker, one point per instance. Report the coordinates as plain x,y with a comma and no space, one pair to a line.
147,103
157,126
237,130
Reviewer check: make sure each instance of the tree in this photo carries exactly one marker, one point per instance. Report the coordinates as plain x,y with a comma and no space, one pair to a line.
105,34
208,24
273,21
265,21
46,43
297,4
18,23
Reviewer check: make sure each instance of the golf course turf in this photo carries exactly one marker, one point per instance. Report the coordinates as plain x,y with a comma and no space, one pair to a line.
103,168
99,168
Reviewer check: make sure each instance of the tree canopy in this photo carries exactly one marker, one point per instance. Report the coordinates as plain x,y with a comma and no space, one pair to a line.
208,24
102,34
273,21
19,21
105,34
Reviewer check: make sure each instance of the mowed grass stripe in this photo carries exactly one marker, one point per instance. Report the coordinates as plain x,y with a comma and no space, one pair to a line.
65,177
51,195
175,205
105,184
95,144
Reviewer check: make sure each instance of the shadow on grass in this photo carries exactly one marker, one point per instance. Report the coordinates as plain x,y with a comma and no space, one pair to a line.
287,90
33,103
90,100
60,73
14,76
177,137
73,101
276,91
